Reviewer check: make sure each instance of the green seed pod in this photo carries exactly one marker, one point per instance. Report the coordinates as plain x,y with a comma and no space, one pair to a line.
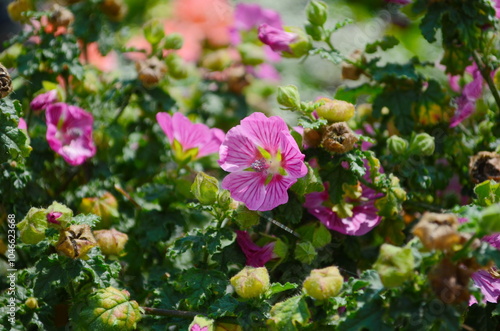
422,144
335,110
111,242
31,303
251,282
314,31
153,32
32,227
205,188
394,265
324,283
58,215
397,145
317,12
289,97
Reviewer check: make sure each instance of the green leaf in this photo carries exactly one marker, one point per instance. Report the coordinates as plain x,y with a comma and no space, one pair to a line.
316,233
333,56
200,285
351,94
385,43
311,182
290,212
308,123
89,219
13,141
400,104
305,252
212,240
488,193
225,306
432,22
289,315
278,288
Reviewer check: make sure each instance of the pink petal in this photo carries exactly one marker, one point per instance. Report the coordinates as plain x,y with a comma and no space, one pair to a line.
165,122
276,192
256,256
489,285
293,159
264,131
237,152
246,187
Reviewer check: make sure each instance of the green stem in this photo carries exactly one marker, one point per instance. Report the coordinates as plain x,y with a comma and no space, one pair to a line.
423,205
171,313
486,76
122,107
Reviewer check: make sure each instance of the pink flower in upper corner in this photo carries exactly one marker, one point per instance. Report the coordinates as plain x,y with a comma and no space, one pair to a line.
363,216
466,103
256,256
42,101
278,39
248,16
263,160
197,327
22,124
187,139
69,132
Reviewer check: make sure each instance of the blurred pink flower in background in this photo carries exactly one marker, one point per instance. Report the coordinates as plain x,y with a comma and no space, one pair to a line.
256,256
69,132
466,103
22,124
42,101
188,139
105,63
278,39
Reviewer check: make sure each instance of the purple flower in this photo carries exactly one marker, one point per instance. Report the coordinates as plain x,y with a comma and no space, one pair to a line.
69,132
197,327
263,160
488,284
278,39
22,124
53,216
187,139
249,15
363,217
466,103
42,101
256,256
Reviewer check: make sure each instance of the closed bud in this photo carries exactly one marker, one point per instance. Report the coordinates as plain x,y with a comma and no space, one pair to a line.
31,303
106,309
314,31
422,144
16,9
224,199
32,227
339,138
394,265
174,41
151,71
5,82
335,110
111,242
246,218
438,231
176,66
323,284
289,97
153,32
251,54
301,44
114,9
105,206
490,219
201,323
397,145
205,188
58,215
217,60
317,12
76,241
251,282
61,16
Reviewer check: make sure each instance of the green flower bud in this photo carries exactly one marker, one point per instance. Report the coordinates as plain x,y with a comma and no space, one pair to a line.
111,242
335,110
490,219
251,54
246,218
174,41
176,67
394,265
106,309
251,282
422,144
300,46
76,241
31,303
205,188
32,227
323,284
153,31
317,12
105,206
289,97
314,31
224,199
397,145
58,215
202,323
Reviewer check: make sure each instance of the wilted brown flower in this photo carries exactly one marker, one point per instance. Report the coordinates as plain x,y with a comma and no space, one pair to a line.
450,282
5,82
114,9
75,241
339,138
151,71
484,166
438,231
349,70
61,16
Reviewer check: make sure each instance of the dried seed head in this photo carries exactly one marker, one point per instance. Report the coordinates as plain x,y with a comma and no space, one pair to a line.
484,166
151,71
114,9
450,282
61,16
339,138
5,82
438,231
75,241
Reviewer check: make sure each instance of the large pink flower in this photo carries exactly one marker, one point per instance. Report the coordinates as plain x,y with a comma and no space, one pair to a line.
256,256
364,213
42,101
264,161
187,139
69,132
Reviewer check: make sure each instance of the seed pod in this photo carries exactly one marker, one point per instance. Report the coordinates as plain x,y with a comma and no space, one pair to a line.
5,82
151,71
339,138
438,231
76,241
324,283
251,282
111,242
335,110
61,16
484,166
114,9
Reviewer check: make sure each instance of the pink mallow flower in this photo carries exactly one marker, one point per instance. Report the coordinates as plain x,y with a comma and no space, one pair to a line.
484,280
364,213
69,132
263,160
187,139
22,124
256,256
42,101
466,103
278,39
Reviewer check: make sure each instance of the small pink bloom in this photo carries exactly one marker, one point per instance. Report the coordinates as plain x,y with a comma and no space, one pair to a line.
42,101
53,216
364,213
256,256
197,327
263,160
187,138
466,103
69,132
22,124
278,39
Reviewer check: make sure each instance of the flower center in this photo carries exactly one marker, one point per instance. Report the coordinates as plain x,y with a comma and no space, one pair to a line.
259,165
